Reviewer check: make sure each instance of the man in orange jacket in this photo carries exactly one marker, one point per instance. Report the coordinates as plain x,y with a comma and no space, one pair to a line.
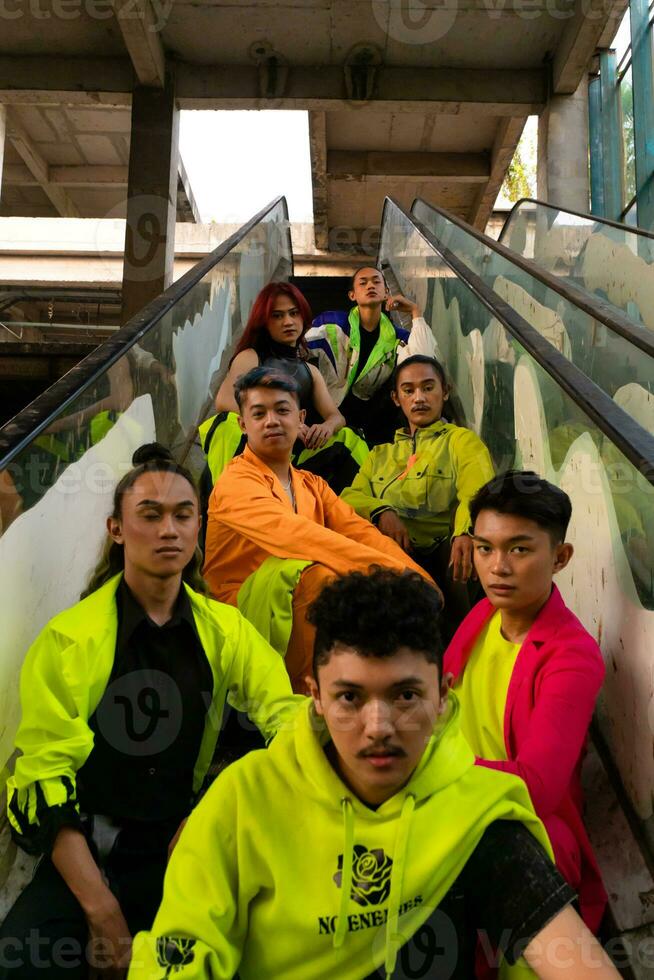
262,509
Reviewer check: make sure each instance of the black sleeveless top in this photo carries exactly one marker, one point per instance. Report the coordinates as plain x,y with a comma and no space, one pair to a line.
287,360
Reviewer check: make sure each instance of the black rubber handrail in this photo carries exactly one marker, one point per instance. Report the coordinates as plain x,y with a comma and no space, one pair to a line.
619,323
31,421
596,219
634,442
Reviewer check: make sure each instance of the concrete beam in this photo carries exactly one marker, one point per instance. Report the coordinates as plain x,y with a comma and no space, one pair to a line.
582,35
100,177
108,81
318,150
77,176
138,26
442,90
507,137
469,168
39,80
151,197
39,168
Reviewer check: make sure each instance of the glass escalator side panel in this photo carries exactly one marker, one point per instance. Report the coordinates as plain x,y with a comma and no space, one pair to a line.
617,366
519,410
613,262
529,422
57,491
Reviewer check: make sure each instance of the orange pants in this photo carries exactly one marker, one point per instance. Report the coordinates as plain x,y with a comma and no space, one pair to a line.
299,653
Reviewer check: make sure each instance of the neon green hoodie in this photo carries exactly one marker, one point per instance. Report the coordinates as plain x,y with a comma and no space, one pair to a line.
67,669
282,873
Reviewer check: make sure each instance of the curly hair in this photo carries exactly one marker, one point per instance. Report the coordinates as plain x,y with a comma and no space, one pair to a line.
376,614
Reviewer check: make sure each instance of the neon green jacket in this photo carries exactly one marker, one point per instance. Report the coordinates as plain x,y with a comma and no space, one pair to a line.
422,478
281,872
67,669
335,340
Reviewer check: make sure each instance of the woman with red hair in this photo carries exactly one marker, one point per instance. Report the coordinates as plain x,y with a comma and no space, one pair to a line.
274,336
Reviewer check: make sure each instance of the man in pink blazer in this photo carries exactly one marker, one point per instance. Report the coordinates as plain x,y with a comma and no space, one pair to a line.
526,672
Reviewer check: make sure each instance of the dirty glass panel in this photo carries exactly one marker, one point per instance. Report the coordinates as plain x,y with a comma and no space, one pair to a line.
57,492
528,422
618,367
614,264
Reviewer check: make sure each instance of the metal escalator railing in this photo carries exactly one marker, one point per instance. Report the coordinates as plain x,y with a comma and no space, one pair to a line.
610,349
536,410
186,296
632,439
61,457
611,261
531,205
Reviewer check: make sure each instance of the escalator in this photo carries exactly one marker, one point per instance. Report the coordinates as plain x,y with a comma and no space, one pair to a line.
608,346
611,261
526,390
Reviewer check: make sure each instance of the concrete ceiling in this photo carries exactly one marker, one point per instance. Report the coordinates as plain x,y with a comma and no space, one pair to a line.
406,97
71,161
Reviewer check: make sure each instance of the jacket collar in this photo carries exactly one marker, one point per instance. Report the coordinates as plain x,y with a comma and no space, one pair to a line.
272,480
550,617
263,468
435,429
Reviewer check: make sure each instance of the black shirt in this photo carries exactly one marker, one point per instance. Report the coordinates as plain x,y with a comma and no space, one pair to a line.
367,339
149,723
287,360
506,894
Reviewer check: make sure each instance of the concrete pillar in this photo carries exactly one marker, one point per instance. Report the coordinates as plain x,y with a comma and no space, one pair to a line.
151,197
562,175
3,131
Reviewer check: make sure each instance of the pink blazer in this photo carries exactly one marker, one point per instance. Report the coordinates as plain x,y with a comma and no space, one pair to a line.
549,706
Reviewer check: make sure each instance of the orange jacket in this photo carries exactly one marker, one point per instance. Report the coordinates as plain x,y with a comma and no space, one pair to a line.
251,518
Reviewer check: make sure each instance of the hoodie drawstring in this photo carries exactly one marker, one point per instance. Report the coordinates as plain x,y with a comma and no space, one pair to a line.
393,938
346,872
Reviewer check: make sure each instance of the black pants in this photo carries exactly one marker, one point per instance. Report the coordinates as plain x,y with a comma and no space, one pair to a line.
45,934
459,597
377,418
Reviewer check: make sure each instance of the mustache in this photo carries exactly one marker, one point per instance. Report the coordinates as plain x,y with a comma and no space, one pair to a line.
381,750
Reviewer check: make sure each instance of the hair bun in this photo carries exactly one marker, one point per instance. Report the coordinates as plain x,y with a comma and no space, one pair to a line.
149,452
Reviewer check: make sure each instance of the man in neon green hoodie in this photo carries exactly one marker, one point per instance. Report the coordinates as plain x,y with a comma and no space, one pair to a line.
365,843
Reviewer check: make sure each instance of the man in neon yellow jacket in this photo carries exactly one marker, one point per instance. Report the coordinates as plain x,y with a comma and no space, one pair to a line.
366,844
122,699
417,489
357,351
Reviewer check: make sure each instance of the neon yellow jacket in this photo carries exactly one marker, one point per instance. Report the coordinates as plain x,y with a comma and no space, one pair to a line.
422,478
281,872
67,669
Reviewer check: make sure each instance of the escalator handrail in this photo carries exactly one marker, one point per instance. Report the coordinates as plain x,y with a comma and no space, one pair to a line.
613,319
32,420
633,441
595,218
